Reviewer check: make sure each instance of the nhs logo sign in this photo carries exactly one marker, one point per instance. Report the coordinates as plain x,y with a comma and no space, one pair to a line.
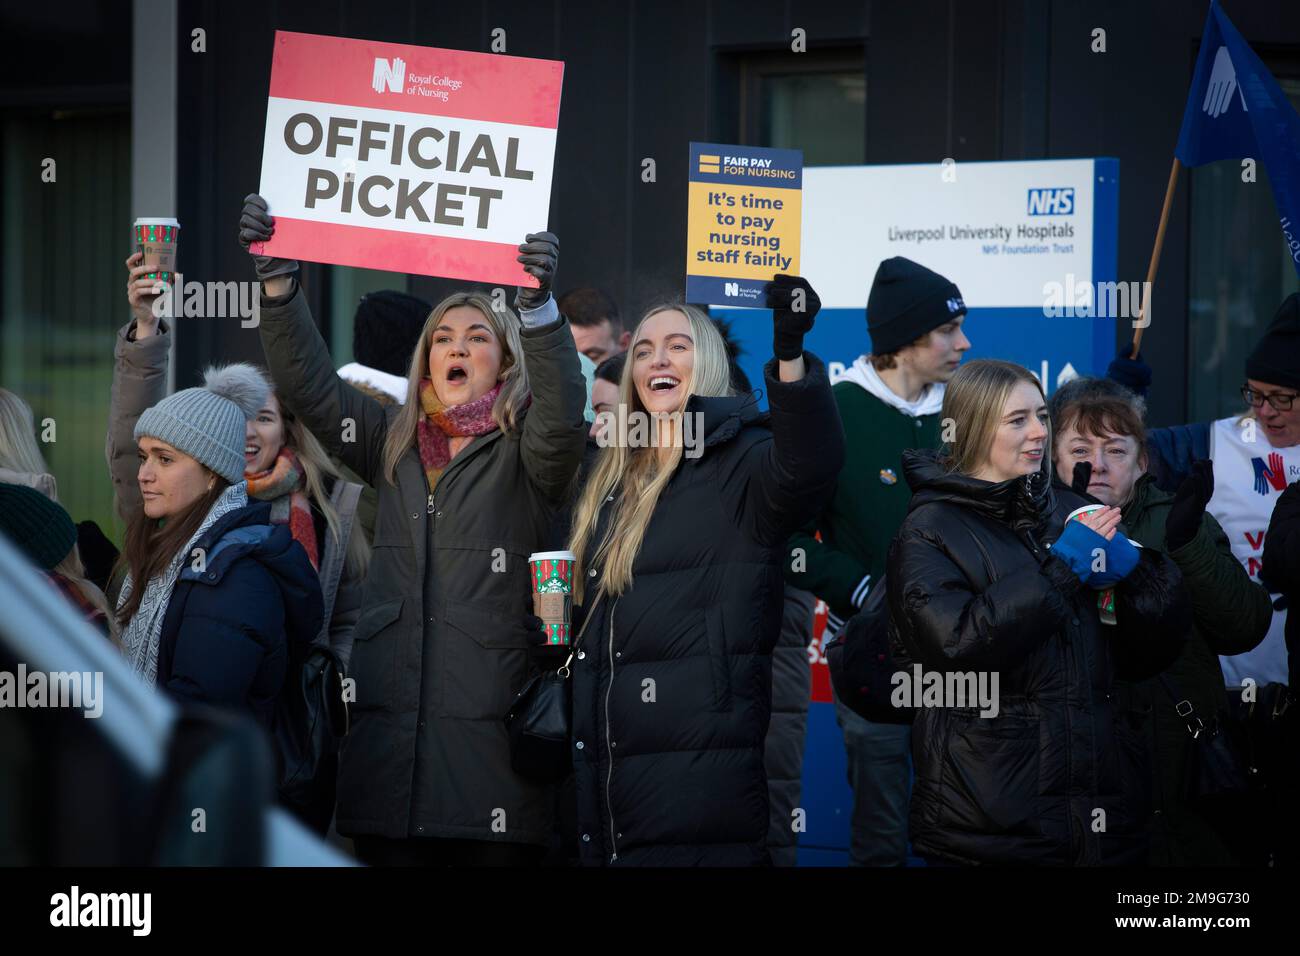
1056,201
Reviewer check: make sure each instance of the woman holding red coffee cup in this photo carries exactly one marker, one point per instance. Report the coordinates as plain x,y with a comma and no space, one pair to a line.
469,473
988,577
680,544
1100,439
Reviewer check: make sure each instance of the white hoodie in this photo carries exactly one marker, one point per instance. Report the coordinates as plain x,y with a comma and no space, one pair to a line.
393,385
863,374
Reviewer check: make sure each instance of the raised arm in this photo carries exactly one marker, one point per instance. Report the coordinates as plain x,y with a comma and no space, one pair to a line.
140,357
349,424
555,432
796,475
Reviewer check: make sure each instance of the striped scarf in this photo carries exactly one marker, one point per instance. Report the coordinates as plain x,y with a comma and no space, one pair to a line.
442,423
282,484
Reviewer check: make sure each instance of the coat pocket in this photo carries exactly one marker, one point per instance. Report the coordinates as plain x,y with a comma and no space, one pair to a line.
991,776
373,663
719,662
484,661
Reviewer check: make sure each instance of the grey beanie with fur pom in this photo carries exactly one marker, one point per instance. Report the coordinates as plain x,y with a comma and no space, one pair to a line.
209,423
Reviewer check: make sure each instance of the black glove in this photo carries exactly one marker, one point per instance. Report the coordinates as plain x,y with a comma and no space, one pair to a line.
539,253
791,318
543,655
1081,478
257,225
1132,373
1189,505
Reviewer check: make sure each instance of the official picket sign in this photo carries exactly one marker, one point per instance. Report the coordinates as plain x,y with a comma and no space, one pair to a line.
405,158
744,221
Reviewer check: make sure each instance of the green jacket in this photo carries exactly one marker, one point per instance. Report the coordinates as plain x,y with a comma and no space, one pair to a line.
440,649
1231,614
869,504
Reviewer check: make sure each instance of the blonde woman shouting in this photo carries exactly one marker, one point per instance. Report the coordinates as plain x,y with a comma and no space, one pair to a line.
469,472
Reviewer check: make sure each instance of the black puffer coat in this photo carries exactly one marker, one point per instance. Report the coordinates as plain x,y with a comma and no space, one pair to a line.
1058,776
673,690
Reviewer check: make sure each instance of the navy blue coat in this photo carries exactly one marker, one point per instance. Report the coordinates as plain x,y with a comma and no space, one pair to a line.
1172,450
229,626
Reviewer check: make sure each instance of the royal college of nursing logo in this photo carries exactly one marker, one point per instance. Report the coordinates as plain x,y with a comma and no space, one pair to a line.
389,73
1271,475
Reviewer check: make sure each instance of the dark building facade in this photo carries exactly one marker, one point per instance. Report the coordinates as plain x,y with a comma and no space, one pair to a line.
886,81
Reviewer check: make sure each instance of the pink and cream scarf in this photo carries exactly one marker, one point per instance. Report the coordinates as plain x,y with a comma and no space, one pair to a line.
441,423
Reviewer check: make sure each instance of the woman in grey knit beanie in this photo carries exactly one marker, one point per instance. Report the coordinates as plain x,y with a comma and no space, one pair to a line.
214,592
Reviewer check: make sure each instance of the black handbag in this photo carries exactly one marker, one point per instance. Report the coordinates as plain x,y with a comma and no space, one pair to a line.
1215,771
539,720
863,662
1262,728
309,724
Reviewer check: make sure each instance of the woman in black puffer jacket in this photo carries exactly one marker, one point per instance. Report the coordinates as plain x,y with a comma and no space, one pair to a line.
985,577
679,555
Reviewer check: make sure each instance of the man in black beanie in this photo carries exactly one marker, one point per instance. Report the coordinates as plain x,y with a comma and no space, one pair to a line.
889,401
385,329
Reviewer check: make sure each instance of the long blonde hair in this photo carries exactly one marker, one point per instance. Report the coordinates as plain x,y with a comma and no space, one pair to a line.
637,472
514,376
317,467
18,448
972,405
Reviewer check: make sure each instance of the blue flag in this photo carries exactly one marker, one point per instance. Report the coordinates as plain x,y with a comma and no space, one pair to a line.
1235,109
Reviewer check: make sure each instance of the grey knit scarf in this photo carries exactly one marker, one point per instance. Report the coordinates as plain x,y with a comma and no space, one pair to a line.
141,635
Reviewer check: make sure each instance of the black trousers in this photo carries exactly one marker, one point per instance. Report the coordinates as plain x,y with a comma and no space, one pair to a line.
431,851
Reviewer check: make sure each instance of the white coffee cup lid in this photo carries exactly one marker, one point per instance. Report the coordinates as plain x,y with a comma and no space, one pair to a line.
1085,510
157,222
553,556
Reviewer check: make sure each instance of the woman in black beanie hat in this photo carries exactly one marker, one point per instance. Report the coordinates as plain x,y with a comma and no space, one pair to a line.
43,531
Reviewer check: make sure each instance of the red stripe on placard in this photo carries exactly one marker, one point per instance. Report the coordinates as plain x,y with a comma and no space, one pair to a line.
493,88
395,251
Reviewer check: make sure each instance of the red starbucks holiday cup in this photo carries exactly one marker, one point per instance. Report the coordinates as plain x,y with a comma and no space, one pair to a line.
552,580
156,240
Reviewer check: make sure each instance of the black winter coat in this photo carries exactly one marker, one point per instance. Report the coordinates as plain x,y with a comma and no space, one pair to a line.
1281,571
1058,776
440,648
231,622
679,780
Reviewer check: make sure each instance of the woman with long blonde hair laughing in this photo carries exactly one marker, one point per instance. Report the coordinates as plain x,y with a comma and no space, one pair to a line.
680,543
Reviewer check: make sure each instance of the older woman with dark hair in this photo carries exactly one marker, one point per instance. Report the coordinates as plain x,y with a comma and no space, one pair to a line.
1100,441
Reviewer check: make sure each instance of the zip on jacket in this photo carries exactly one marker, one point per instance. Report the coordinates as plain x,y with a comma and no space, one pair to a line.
609,743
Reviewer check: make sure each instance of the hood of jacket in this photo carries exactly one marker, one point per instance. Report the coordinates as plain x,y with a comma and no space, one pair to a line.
1025,503
248,533
724,416
39,481
863,374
